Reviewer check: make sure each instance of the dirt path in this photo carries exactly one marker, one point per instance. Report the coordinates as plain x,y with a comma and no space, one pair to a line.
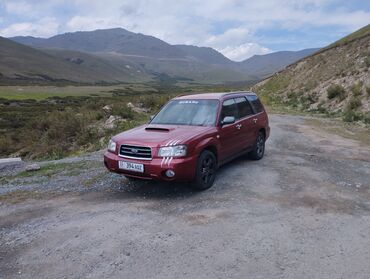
301,212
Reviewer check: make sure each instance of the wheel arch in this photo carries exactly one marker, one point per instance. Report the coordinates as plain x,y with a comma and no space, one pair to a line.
263,130
212,148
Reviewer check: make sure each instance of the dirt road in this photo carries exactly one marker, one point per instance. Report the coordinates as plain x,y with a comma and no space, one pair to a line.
301,212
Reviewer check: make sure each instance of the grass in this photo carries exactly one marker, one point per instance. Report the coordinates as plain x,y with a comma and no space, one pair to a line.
58,127
43,92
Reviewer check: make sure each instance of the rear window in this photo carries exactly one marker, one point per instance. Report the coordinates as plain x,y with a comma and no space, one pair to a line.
244,107
255,102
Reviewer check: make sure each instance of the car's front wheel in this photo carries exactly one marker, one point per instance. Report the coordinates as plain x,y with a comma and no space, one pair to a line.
206,171
259,147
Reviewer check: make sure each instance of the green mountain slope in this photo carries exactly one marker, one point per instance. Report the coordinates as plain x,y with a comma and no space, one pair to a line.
107,40
158,58
20,63
335,80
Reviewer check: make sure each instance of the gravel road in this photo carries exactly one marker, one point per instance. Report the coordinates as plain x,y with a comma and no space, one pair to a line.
301,212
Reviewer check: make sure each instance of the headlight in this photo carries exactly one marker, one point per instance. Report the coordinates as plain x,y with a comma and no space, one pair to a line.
172,151
112,146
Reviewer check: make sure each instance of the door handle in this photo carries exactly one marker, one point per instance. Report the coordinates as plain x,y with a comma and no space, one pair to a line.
238,126
255,120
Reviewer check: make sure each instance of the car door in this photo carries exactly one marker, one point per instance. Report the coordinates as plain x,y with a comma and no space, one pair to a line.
246,123
228,134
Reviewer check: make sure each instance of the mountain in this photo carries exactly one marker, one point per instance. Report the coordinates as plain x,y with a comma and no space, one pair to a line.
205,54
20,63
109,40
334,80
265,65
155,59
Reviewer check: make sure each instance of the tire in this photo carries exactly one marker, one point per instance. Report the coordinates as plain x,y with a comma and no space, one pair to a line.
259,147
206,171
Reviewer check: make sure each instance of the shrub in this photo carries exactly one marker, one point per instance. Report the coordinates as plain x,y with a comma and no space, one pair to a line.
354,103
123,110
336,90
356,89
321,108
366,118
367,61
154,102
367,89
350,115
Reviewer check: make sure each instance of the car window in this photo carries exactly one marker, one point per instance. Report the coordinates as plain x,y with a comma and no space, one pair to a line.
229,109
244,108
255,102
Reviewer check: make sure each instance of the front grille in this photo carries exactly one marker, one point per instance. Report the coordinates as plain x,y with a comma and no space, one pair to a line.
135,152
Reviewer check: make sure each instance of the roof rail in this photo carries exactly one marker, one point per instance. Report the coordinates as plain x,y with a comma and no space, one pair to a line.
238,92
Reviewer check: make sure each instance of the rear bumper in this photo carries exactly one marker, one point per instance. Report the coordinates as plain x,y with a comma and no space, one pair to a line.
184,168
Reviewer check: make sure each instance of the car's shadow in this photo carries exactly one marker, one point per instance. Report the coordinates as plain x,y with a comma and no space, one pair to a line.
161,190
154,189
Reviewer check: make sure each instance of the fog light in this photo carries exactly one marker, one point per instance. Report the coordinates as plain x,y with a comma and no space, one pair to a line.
170,173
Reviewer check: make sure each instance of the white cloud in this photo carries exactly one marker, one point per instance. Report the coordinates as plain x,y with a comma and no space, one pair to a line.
45,27
18,7
234,35
231,26
243,51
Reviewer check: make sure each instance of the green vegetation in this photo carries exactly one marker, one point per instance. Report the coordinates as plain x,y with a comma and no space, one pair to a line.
350,115
367,61
354,103
356,89
367,90
350,112
56,127
335,91
269,93
44,92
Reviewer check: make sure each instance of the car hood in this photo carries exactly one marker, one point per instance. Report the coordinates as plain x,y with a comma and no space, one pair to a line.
161,135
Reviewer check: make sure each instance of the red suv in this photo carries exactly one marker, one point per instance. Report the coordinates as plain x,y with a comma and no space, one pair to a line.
190,137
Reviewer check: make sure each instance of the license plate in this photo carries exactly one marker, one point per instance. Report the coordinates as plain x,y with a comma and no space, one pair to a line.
131,166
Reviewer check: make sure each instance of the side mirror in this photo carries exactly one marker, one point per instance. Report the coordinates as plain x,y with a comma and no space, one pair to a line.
228,120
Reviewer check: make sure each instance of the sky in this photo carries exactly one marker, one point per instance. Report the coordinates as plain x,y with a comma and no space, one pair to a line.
238,29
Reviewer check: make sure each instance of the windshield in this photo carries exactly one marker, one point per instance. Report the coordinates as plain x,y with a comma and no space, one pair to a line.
188,112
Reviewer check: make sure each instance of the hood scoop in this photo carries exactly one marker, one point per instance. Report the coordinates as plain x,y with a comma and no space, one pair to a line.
157,129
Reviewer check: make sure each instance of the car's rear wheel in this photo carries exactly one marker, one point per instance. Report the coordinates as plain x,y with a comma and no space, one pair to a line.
259,147
206,171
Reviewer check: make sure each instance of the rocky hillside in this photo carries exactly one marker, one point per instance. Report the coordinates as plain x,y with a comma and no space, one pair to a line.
335,80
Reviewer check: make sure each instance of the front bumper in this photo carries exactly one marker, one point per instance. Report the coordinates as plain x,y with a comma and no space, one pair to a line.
184,168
